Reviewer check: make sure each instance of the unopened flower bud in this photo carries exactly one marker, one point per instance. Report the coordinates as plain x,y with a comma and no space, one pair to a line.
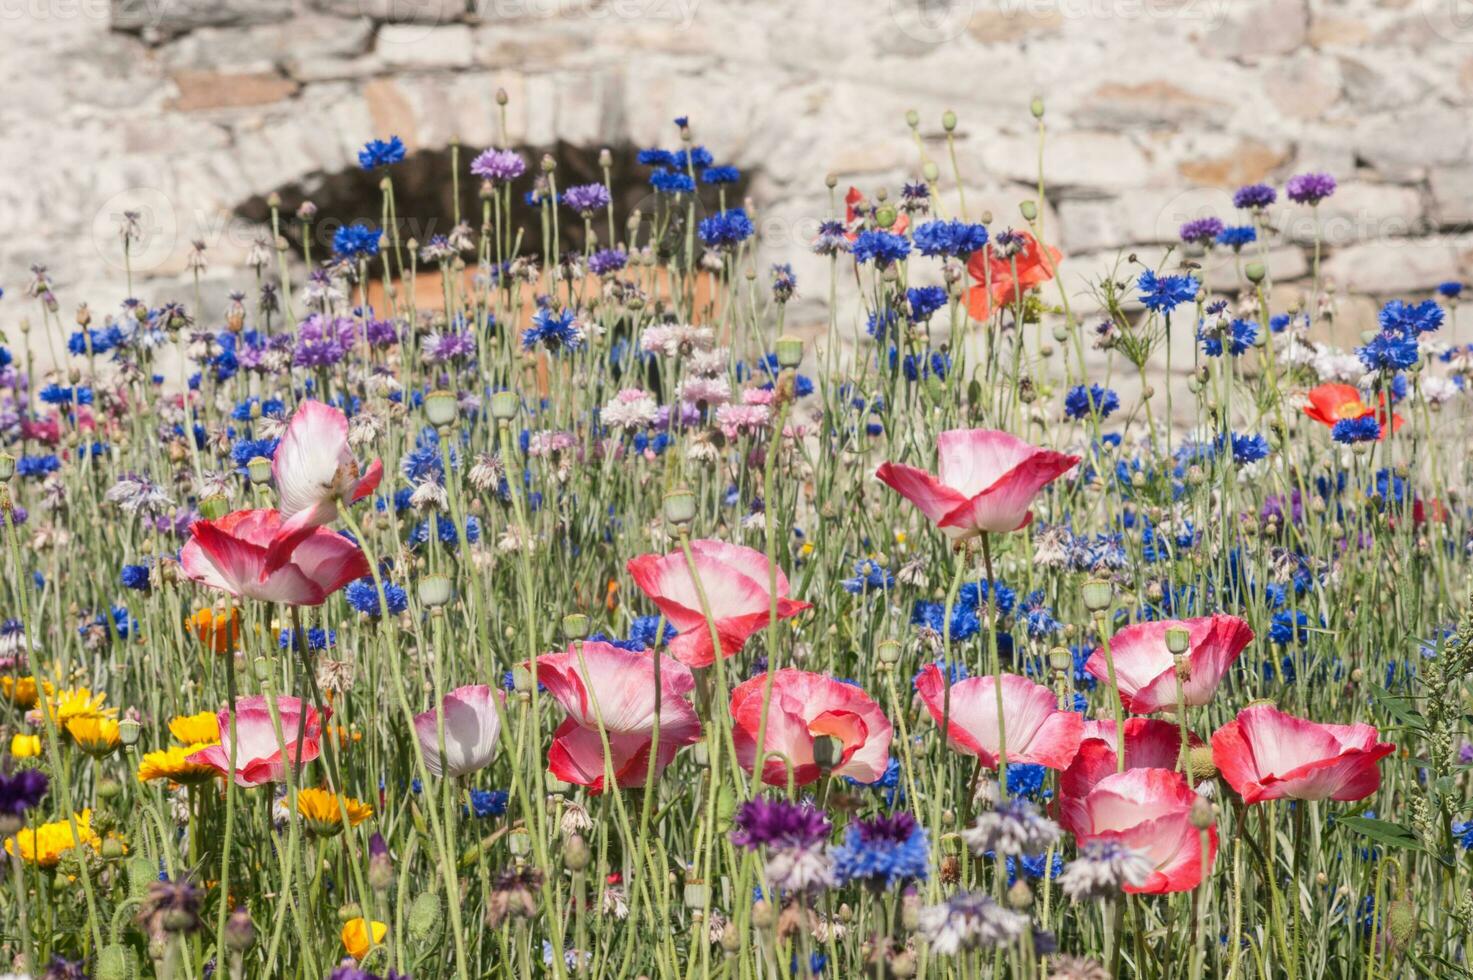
680,506
240,932
1097,594
576,853
948,121
1020,896
1202,816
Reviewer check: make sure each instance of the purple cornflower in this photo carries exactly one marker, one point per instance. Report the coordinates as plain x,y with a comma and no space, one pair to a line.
1201,231
607,260
380,333
322,342
1254,197
19,793
498,165
1311,188
766,822
441,347
586,198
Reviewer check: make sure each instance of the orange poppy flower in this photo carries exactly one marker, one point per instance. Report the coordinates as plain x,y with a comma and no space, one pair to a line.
1032,266
218,630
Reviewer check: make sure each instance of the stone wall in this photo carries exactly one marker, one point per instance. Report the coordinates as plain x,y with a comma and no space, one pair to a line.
1157,109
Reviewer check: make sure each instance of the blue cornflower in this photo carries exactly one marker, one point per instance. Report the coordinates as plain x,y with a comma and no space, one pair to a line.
880,247
1451,289
1080,402
672,182
917,366
696,157
381,153
1409,320
869,577
642,631
1363,429
1162,294
727,230
976,594
446,531
317,639
656,157
1236,236
925,301
720,175
1288,627
488,802
952,238
362,595
135,577
552,330
1463,831
37,465
356,241
245,450
1025,779
879,323
1389,352
1240,335
1249,448
883,851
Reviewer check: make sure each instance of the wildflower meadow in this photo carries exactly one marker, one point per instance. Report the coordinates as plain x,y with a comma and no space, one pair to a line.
494,606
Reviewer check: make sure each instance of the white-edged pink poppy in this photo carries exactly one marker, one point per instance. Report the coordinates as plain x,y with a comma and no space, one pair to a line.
986,481
472,728
1266,754
1150,812
736,581
1145,669
1038,732
258,751
1150,743
805,706
604,684
314,469
230,555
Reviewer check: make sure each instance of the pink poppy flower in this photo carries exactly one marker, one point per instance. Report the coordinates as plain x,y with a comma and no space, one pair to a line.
986,482
1038,733
1146,671
1148,811
472,727
230,555
1149,744
1266,754
258,752
735,579
617,687
314,469
803,707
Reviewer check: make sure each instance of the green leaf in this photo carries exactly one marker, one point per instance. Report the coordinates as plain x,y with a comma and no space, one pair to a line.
1385,832
1401,710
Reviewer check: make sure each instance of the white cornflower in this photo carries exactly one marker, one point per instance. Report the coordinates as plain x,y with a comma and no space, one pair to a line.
1012,829
1103,869
631,409
969,920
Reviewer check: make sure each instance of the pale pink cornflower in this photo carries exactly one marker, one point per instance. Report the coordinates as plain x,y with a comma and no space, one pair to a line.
632,409
548,442
712,391
739,420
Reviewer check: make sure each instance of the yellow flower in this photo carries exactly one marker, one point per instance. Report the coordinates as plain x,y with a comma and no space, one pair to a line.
356,937
189,729
324,817
77,702
44,845
220,631
900,537
19,691
173,764
95,736
25,746
807,549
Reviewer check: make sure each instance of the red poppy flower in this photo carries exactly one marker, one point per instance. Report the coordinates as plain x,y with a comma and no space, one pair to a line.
1033,268
1331,403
